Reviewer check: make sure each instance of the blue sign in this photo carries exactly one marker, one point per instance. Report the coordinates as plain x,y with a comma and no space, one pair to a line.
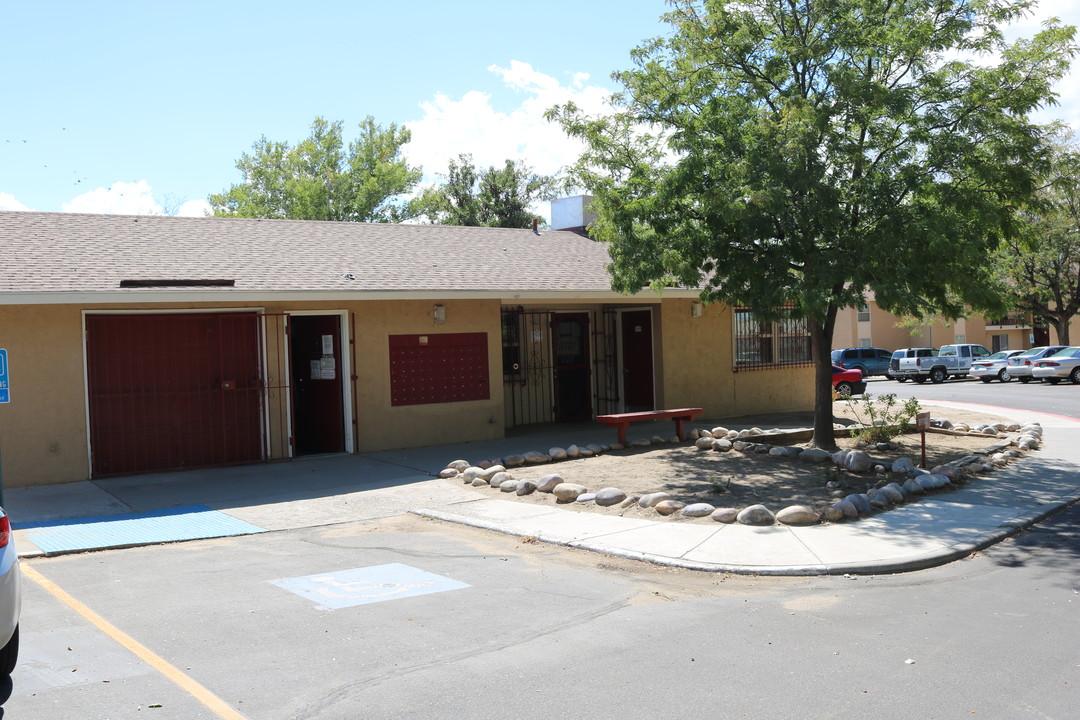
4,392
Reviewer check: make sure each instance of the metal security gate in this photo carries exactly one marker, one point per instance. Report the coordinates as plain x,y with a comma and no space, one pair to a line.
178,391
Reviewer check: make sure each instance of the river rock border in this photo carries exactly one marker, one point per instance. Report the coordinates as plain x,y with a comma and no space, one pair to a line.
900,481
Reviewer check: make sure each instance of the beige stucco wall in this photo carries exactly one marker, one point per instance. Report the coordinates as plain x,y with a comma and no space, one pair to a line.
43,431
43,427
698,369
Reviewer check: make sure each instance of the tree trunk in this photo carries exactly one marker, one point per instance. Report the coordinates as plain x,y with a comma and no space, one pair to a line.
1062,327
820,350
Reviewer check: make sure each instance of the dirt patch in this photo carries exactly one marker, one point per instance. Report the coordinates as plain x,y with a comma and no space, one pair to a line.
733,478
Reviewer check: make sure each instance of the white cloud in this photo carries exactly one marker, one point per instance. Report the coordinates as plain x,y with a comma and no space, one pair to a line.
492,135
121,198
193,208
8,202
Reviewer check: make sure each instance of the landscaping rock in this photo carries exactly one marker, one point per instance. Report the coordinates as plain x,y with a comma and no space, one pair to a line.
903,465
849,511
756,515
499,478
473,471
586,497
721,444
557,453
525,487
548,482
651,499
698,510
834,514
536,458
798,515
568,492
448,473
814,455
669,507
573,451
861,503
643,442
510,485
630,500
609,496
478,482
704,443
857,461
778,451
491,471
514,460
724,515
893,493
459,465
911,487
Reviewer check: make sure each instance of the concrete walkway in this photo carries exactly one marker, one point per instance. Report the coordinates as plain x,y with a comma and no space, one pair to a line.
328,490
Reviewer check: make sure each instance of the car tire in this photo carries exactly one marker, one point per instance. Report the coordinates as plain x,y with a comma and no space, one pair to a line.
900,378
1004,376
919,379
1074,376
1053,381
937,375
986,380
1024,380
844,388
9,654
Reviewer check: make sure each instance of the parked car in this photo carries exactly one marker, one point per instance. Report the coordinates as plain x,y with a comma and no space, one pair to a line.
872,361
1055,368
847,382
994,367
10,598
950,361
912,352
1020,365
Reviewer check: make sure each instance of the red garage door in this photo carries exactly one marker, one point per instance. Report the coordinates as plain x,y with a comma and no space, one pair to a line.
173,391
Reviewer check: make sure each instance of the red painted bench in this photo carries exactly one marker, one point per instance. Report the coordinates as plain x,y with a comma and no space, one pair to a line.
621,421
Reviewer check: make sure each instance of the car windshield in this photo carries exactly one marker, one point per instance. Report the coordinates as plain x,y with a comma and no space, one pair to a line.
1067,352
1032,352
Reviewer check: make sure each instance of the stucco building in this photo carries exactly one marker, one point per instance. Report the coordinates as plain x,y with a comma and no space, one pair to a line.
142,344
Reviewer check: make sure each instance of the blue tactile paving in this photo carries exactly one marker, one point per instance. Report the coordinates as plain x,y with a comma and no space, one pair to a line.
361,586
192,522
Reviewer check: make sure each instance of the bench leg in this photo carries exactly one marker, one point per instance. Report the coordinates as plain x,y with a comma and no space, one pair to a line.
680,427
622,434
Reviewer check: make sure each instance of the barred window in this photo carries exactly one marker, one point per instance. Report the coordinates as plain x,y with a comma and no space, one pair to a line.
760,344
863,313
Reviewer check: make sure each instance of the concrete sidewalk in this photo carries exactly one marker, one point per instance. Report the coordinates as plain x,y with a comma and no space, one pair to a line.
328,490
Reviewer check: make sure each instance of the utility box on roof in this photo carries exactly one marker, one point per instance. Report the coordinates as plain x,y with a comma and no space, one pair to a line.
572,213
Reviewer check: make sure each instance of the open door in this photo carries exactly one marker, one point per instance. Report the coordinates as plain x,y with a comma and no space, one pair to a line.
318,389
573,379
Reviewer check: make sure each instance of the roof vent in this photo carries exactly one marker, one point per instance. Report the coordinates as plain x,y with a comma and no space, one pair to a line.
151,283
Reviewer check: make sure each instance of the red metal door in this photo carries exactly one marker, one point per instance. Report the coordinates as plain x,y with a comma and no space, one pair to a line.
318,404
173,391
573,380
637,360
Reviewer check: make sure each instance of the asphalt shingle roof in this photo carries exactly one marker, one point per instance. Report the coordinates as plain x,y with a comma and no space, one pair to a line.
76,253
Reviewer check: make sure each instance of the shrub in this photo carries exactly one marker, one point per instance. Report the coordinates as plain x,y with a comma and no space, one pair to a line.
882,418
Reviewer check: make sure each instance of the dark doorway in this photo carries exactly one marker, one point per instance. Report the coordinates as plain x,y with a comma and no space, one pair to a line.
318,404
1041,336
573,386
637,360
173,391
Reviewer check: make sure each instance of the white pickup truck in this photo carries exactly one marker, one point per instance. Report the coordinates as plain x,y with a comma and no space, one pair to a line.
950,361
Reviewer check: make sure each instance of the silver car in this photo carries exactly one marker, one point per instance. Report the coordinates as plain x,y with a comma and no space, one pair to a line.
1020,365
10,598
994,366
1055,368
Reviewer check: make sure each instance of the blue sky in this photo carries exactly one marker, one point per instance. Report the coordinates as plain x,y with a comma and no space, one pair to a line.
142,107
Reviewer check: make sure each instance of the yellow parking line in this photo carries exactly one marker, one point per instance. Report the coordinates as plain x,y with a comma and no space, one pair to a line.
185,683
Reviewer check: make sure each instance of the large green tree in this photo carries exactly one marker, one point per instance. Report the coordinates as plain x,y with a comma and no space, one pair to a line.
789,154
495,197
319,178
1041,265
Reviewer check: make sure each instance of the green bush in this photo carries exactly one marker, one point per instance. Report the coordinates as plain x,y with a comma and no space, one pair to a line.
883,418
